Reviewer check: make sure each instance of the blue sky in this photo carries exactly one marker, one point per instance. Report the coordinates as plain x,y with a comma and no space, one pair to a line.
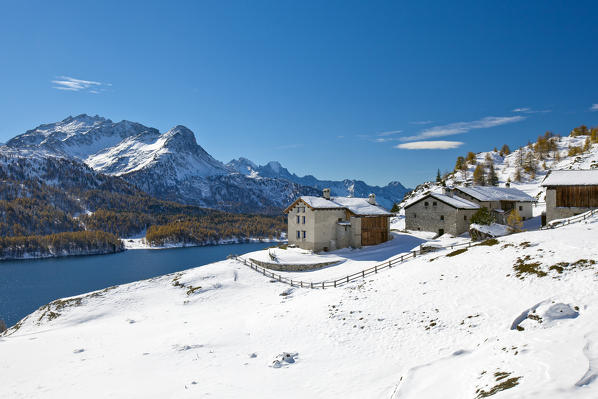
337,89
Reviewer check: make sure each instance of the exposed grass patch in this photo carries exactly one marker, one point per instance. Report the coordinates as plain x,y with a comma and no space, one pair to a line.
523,267
192,289
503,383
525,244
579,264
507,245
457,252
489,242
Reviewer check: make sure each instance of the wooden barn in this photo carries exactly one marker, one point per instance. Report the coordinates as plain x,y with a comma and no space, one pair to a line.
570,192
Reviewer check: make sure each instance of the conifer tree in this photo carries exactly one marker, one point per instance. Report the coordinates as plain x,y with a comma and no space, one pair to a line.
395,208
478,175
438,177
514,220
492,179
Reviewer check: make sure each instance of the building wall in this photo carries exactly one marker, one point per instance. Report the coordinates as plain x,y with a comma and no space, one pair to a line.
553,212
427,218
525,212
309,226
325,228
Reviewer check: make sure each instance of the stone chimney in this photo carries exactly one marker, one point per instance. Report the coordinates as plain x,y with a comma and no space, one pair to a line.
326,193
447,191
372,199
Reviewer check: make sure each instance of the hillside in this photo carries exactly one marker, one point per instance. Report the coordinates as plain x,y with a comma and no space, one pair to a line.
516,319
173,166
525,167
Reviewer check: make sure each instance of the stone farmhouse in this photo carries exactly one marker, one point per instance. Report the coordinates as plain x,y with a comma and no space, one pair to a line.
440,213
570,192
451,211
500,200
327,223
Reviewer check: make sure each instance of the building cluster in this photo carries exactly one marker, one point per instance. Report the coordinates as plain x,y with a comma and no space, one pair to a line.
451,211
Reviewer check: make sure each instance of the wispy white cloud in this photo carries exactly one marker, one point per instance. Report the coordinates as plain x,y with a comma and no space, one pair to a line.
430,145
594,107
71,84
390,133
528,110
463,127
421,122
289,146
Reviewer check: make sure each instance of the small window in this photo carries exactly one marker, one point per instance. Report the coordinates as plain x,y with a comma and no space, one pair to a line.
464,217
426,203
304,235
303,210
414,215
434,203
297,218
303,219
340,219
520,208
523,218
441,217
298,209
298,234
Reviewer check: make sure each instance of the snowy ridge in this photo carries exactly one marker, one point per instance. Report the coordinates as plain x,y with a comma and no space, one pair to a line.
523,310
505,167
173,166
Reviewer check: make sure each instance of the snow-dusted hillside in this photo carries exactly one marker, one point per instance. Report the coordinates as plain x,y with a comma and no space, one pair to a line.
518,319
173,166
506,167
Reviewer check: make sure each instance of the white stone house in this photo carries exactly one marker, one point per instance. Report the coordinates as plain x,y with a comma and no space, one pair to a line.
440,213
499,200
570,192
327,223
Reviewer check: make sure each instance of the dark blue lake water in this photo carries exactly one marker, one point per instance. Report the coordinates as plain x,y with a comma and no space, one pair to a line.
25,285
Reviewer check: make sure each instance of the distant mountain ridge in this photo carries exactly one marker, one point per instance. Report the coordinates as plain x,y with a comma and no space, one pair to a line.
386,196
173,166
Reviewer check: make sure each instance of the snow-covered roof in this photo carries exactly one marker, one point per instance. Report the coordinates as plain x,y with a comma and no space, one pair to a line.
358,206
491,193
452,200
455,201
571,178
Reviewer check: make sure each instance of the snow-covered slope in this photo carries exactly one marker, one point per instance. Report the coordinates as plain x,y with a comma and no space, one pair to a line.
386,196
518,319
506,167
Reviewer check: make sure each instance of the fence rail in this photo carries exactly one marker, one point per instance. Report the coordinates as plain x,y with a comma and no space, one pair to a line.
388,264
573,219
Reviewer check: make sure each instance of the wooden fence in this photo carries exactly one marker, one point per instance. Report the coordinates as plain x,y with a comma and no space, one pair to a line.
388,264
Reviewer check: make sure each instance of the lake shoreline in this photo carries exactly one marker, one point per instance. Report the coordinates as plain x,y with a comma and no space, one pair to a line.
137,243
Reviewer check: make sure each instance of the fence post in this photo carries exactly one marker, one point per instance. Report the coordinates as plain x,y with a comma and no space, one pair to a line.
301,284
322,285
311,285
389,264
362,274
376,269
347,278
334,283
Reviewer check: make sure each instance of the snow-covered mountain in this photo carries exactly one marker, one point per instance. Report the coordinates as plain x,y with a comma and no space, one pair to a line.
386,196
173,166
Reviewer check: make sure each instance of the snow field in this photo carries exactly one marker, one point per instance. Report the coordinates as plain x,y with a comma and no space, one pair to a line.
434,327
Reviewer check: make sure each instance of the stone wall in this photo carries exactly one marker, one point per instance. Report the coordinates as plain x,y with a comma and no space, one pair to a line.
291,267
